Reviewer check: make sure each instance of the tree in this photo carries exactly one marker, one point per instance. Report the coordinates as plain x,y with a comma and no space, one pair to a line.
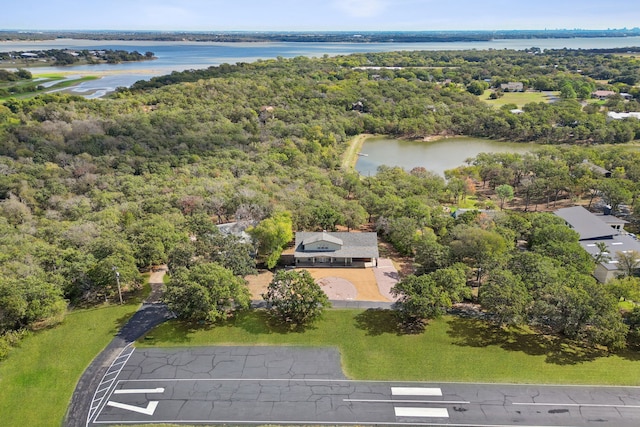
506,296
628,262
504,193
477,87
478,248
430,254
272,235
420,298
206,292
295,298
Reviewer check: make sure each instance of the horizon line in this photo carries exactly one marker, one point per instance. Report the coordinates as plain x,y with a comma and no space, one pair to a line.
23,30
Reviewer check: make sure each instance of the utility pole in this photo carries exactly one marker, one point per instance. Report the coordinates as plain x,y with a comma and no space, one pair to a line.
115,269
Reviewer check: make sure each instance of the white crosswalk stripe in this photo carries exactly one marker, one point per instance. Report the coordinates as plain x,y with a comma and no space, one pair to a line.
418,412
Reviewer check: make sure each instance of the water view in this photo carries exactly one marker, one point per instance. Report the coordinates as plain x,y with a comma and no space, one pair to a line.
435,156
179,56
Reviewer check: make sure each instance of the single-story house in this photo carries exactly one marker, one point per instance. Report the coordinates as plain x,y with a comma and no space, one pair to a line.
336,249
602,94
605,228
512,87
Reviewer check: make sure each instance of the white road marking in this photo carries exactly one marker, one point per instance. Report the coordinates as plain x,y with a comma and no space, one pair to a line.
149,410
422,412
592,405
415,391
139,390
442,402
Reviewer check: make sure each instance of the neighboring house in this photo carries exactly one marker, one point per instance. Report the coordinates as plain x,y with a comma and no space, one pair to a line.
621,116
237,229
602,94
597,169
626,96
594,228
512,87
336,249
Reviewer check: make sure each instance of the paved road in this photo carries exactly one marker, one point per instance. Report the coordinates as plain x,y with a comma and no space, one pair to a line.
276,385
149,315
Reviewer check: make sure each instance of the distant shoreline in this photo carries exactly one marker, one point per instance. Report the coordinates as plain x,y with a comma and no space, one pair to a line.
318,36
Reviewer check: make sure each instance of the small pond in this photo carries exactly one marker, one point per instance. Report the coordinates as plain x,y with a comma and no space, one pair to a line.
436,156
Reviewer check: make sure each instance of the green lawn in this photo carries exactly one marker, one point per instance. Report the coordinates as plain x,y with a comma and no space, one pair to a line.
451,349
38,378
518,98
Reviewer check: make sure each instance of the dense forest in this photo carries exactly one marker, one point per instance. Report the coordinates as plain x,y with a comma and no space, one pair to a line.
142,178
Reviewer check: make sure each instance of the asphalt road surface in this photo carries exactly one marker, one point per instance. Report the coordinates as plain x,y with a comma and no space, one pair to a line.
284,385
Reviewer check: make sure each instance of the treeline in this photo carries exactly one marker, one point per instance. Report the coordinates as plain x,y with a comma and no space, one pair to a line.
14,76
70,57
332,36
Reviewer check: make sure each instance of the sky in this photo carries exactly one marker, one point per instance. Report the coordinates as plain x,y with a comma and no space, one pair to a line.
318,15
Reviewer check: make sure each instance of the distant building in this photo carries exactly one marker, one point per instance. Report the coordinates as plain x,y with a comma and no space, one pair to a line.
512,87
597,169
612,115
602,94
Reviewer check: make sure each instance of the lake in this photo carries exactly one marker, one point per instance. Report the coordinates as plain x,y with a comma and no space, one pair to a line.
435,156
179,56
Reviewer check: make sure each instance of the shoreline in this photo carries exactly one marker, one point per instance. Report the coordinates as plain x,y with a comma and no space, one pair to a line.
350,156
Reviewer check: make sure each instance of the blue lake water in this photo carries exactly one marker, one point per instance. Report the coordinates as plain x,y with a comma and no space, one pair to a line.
179,56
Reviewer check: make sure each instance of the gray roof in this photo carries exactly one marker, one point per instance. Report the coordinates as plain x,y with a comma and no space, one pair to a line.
354,245
237,229
611,219
322,237
588,225
619,243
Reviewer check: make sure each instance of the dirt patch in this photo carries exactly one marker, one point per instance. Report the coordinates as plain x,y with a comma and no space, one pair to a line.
357,284
258,283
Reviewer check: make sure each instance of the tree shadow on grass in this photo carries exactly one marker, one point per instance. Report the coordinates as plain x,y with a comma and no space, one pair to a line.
377,321
479,333
262,322
175,332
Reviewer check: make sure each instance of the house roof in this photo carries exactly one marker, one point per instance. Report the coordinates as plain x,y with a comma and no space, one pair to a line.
354,245
237,229
322,237
588,226
603,93
618,243
611,219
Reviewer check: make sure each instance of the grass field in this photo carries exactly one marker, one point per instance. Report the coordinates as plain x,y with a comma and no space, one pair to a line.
518,98
38,378
451,349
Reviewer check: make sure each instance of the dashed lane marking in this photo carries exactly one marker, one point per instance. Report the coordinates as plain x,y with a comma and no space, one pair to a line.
415,391
421,412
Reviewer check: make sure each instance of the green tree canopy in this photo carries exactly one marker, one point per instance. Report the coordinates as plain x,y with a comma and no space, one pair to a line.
295,298
206,292
272,235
